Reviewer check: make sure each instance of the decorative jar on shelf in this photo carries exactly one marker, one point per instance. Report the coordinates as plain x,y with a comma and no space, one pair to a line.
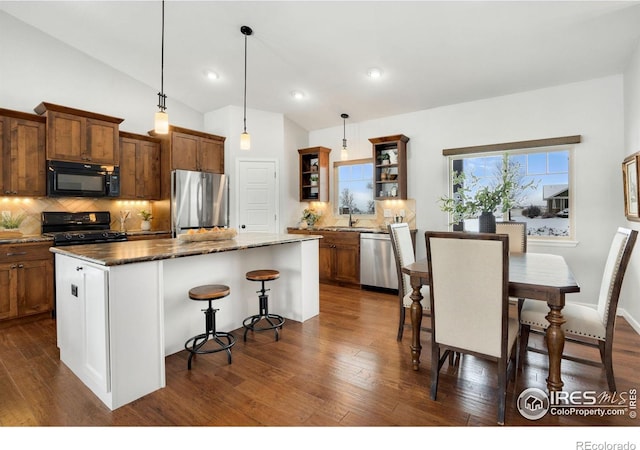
145,225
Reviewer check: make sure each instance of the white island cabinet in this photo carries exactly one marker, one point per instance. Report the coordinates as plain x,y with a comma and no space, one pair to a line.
123,307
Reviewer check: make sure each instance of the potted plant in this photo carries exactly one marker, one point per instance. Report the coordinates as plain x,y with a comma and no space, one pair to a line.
383,157
11,223
309,216
314,180
146,216
471,198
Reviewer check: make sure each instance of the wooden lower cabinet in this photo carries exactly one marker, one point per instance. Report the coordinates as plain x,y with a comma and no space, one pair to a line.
339,256
26,281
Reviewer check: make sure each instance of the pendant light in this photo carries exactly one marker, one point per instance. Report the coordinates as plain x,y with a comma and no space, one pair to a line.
245,138
344,155
161,122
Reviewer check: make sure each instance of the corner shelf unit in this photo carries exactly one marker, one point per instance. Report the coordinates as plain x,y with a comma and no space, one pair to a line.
314,174
391,177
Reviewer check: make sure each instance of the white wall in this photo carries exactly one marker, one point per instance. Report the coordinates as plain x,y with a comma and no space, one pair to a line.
272,138
631,286
593,109
36,68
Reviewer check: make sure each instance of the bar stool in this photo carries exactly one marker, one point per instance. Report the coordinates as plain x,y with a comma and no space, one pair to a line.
273,321
195,345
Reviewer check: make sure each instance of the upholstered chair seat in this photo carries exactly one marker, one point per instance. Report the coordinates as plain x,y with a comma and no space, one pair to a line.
588,325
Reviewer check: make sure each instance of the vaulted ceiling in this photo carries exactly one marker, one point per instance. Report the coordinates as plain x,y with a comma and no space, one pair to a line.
431,53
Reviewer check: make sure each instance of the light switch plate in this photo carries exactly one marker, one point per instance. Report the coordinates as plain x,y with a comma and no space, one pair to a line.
401,212
388,213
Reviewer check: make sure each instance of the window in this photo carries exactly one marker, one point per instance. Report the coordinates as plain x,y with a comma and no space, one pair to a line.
546,205
354,187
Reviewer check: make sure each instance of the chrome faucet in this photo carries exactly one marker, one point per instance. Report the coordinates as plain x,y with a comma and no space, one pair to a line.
352,222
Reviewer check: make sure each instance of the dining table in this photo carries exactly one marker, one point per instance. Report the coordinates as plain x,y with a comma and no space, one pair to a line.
537,276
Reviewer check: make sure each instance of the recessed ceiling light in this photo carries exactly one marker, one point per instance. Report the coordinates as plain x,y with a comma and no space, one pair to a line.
298,95
374,73
211,75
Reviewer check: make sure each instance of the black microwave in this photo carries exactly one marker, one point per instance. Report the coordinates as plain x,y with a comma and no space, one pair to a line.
69,179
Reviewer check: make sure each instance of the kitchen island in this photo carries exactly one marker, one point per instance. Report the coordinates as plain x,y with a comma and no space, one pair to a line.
123,306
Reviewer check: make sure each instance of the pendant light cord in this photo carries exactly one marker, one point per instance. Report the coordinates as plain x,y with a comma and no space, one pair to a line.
162,54
344,133
245,83
344,129
161,96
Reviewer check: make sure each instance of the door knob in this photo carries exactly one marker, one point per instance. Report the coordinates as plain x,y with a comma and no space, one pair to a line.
243,226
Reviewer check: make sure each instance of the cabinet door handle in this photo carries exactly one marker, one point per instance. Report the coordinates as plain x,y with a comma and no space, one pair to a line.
13,266
16,253
20,266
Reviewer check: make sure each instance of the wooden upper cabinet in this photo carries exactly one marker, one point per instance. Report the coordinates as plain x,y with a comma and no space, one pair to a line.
390,159
211,155
22,154
80,136
139,167
314,174
186,149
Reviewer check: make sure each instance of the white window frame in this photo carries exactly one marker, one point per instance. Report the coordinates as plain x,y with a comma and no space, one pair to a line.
528,147
336,190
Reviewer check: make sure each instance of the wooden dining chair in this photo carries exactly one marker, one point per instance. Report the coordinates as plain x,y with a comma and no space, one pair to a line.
469,287
517,232
404,254
587,325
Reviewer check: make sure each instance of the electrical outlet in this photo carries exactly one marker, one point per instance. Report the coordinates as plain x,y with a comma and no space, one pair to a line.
402,213
388,213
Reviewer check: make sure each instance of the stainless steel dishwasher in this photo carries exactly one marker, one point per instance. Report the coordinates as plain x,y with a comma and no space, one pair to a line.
377,263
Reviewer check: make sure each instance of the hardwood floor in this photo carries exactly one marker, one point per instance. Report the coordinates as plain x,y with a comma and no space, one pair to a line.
341,368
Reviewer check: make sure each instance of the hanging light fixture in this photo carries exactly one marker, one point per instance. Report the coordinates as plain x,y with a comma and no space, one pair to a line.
345,153
245,138
161,122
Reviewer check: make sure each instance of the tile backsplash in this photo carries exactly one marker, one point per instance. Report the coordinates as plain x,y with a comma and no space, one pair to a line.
393,207
32,207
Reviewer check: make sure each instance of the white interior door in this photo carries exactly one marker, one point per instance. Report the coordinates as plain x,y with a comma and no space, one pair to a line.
257,196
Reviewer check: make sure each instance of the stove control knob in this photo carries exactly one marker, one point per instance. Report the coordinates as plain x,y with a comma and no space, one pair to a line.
81,236
68,236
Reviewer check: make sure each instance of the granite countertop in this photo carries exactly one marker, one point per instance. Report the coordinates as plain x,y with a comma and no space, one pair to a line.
25,239
347,229
343,228
118,253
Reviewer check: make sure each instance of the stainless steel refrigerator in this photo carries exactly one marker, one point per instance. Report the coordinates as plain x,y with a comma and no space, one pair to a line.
198,200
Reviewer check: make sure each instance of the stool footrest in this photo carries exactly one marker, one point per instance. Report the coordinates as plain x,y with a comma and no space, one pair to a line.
195,344
262,322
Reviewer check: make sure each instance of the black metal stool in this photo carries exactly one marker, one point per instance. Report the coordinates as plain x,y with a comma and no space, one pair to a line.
195,345
273,321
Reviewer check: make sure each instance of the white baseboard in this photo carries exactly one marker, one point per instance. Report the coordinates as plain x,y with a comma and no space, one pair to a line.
632,321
